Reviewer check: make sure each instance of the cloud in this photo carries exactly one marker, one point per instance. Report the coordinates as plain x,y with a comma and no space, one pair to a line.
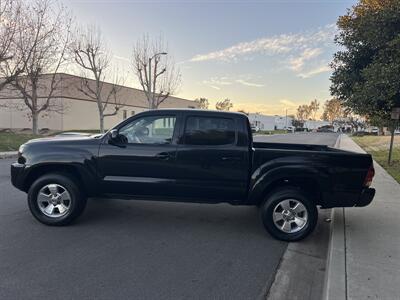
287,102
218,82
278,44
121,58
297,63
247,83
321,69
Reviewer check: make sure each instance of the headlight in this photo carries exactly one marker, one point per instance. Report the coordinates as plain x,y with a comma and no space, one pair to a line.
21,159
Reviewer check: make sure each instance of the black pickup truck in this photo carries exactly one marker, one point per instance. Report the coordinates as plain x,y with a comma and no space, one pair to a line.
192,156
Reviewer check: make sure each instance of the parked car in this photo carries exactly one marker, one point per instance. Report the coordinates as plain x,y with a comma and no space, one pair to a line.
374,130
192,156
300,129
255,128
290,129
326,128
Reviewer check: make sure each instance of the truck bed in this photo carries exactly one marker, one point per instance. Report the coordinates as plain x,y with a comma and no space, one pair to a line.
340,174
299,147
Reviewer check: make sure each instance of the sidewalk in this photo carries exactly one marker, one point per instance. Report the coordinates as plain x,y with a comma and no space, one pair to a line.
8,154
364,258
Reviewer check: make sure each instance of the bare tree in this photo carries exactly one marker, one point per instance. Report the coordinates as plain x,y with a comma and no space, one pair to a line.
314,107
202,103
10,11
93,56
40,48
303,113
155,70
224,105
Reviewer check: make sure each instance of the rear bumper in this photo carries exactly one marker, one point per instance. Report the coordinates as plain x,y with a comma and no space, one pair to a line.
348,199
366,197
17,175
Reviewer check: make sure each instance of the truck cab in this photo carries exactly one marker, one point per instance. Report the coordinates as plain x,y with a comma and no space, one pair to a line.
181,154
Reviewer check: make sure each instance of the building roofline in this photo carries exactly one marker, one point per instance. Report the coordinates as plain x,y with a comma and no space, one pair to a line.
202,111
119,85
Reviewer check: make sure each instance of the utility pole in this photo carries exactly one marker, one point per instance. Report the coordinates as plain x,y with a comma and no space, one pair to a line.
395,116
286,119
286,110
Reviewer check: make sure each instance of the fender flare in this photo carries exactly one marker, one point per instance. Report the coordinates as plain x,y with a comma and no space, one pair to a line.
263,181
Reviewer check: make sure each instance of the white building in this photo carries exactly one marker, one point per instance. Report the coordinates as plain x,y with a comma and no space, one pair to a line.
78,110
283,122
264,122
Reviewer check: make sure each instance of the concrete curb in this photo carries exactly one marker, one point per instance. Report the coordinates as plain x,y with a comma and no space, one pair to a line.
9,154
335,275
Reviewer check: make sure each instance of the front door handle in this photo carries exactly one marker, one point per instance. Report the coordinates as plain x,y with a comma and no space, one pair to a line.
231,158
163,155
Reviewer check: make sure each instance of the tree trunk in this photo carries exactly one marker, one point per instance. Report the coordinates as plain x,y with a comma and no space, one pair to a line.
392,129
35,123
101,116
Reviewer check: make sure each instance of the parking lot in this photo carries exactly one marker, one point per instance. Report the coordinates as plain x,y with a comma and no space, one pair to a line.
139,249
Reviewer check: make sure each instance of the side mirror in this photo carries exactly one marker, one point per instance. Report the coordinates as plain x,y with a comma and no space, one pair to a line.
117,139
114,133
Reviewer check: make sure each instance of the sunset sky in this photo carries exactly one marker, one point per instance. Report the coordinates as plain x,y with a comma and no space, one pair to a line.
266,56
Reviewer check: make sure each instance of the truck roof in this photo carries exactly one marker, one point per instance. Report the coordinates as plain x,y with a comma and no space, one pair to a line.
197,111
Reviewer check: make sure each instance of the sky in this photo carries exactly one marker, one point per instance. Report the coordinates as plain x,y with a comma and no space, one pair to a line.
266,56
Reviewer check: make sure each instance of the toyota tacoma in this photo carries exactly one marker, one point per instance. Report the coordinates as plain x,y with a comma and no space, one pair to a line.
192,156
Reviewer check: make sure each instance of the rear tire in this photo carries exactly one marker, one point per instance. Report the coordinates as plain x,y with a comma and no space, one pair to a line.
54,199
288,214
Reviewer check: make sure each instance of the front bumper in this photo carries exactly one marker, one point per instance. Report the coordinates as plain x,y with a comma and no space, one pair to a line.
17,175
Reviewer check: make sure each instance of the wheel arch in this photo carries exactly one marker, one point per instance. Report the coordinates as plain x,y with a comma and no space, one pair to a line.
308,181
73,172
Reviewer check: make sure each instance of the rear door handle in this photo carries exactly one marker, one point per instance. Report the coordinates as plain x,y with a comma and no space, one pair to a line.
163,155
231,158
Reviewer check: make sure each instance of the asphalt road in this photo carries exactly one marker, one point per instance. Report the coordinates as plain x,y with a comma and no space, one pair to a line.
137,249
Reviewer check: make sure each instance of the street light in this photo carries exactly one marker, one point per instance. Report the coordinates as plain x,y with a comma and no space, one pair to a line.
157,54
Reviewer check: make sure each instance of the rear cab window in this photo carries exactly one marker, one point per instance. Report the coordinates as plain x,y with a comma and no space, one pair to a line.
206,130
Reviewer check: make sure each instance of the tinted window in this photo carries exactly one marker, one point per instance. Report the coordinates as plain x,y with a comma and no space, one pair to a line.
209,131
150,130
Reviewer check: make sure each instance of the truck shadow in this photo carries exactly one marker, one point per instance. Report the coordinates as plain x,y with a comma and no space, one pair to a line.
155,215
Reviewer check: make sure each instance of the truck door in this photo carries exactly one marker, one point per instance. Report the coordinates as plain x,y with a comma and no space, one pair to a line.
213,166
145,165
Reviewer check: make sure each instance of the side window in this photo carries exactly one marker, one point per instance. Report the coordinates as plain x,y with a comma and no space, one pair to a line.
150,130
209,131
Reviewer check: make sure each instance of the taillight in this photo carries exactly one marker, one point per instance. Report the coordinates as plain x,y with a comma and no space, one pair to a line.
370,176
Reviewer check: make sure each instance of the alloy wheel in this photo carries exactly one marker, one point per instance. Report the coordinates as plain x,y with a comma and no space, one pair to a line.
54,200
290,216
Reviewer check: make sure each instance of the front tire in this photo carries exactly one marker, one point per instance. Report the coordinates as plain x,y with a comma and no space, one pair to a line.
55,199
289,215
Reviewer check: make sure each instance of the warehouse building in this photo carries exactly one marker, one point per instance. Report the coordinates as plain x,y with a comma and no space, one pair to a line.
75,109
